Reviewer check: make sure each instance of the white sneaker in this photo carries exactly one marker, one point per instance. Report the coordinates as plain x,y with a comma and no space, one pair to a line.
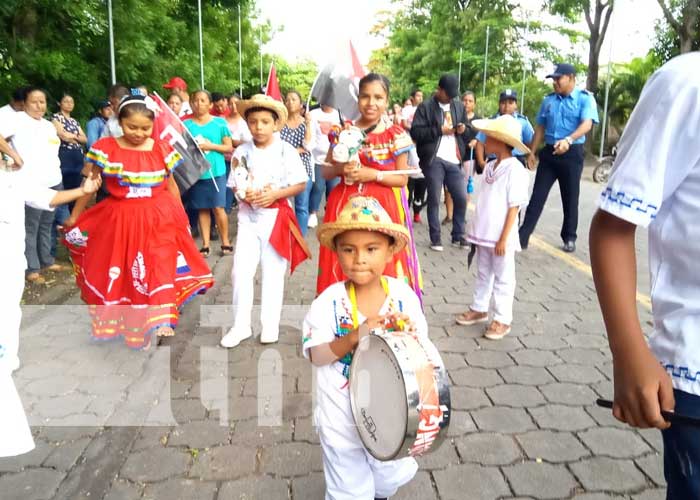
269,337
313,221
235,337
436,247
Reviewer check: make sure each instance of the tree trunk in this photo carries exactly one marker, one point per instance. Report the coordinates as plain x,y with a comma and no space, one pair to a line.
593,66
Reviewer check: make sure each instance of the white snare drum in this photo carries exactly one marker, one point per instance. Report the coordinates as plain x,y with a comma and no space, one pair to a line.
399,393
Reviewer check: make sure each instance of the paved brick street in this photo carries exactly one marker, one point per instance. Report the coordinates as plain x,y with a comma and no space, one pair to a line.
189,420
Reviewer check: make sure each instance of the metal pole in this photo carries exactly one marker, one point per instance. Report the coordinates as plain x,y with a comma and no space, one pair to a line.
607,94
240,54
459,78
486,60
111,43
522,92
201,49
261,58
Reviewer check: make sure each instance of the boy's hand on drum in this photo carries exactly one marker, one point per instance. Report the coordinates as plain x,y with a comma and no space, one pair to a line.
400,322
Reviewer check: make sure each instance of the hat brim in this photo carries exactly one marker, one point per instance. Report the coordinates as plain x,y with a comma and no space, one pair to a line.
486,127
270,104
326,233
554,75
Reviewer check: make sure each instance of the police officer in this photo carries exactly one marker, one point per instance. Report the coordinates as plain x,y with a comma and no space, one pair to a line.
564,119
507,105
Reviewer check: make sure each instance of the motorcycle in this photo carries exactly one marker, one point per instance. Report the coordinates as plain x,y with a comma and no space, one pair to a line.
602,170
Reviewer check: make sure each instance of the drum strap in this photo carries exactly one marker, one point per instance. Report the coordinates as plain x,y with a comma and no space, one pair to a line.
353,300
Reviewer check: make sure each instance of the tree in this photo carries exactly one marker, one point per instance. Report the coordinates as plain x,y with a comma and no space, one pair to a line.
683,17
597,15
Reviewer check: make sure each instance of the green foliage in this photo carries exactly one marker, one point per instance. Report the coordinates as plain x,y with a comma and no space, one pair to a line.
667,43
425,37
64,47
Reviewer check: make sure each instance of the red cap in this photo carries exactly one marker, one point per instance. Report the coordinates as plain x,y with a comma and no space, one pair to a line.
176,83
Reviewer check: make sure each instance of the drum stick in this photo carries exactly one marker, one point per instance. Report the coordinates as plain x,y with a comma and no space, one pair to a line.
669,416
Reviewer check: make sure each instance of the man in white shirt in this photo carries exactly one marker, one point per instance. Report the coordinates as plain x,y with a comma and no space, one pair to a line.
656,184
322,119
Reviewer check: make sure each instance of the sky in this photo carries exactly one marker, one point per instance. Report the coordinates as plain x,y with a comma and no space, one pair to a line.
315,29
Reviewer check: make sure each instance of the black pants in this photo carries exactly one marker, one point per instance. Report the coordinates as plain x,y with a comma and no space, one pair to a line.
417,189
566,169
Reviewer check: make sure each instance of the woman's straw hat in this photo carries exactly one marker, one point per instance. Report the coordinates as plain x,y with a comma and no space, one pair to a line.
266,102
364,214
505,128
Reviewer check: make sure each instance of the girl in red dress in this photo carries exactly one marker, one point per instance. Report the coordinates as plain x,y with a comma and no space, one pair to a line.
385,149
134,259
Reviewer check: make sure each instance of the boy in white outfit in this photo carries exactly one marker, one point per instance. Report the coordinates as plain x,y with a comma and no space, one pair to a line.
365,239
268,232
494,230
15,191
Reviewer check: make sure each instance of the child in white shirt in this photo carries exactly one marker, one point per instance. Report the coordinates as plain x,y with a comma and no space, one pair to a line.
494,230
365,239
268,232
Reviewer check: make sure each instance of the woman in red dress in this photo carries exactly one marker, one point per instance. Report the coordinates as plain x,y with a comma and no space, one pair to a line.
134,259
385,149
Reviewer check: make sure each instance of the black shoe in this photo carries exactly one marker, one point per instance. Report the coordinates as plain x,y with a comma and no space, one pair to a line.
569,246
523,242
461,243
195,232
214,235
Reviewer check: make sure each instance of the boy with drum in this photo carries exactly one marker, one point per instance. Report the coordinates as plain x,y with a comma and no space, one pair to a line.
365,239
494,230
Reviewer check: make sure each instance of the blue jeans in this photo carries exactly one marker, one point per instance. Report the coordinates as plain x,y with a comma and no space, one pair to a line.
450,175
301,207
682,451
319,186
37,224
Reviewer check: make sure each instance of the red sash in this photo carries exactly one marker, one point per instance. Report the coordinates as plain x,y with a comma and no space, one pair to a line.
286,237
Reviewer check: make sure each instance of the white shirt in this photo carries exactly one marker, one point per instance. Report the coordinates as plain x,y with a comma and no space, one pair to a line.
239,130
656,183
329,313
447,150
37,143
278,165
408,112
502,188
186,109
321,126
15,191
112,128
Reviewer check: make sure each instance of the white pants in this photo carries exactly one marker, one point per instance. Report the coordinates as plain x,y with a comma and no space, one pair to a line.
253,247
353,474
15,435
495,279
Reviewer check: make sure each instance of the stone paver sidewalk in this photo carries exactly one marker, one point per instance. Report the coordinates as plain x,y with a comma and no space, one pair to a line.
192,421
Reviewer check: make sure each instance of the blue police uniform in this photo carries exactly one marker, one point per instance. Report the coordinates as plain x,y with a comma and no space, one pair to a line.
560,116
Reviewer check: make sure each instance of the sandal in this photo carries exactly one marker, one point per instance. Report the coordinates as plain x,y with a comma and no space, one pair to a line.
56,268
36,278
164,331
204,251
226,249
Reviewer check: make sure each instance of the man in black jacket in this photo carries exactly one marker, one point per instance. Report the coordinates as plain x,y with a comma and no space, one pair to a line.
440,134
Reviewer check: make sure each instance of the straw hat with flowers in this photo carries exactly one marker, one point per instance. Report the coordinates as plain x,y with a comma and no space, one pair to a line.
505,128
364,214
261,101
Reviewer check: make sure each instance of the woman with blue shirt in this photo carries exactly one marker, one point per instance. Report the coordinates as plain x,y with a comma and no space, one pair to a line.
209,193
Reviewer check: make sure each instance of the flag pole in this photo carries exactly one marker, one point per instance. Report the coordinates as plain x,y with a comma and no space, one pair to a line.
112,64
201,49
459,77
240,55
261,57
522,92
486,60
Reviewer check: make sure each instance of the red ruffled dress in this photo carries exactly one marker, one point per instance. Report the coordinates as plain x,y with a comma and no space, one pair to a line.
380,152
134,259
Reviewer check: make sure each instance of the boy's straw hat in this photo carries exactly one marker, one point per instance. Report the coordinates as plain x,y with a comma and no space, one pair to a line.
505,128
267,102
365,214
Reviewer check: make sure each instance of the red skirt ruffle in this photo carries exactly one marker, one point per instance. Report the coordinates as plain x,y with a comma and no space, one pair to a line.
136,264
